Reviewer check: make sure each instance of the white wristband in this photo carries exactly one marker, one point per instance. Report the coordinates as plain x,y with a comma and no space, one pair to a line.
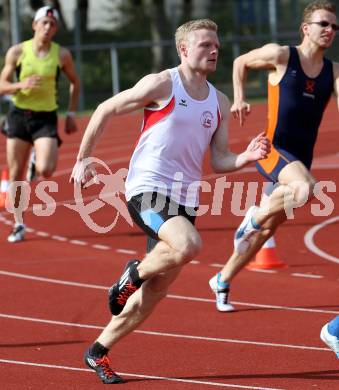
71,114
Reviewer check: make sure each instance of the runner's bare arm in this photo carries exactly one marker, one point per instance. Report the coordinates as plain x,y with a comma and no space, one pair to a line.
148,90
222,159
67,66
7,85
269,56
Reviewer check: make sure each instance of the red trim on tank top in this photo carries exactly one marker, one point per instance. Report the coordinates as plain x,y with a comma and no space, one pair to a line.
152,117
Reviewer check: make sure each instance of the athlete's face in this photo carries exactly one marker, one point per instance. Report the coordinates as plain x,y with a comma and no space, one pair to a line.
321,29
201,50
45,28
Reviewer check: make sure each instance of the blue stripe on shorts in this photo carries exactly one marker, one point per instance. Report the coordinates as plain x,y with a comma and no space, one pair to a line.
152,219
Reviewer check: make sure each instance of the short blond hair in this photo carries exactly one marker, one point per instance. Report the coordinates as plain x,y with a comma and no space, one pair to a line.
193,25
315,6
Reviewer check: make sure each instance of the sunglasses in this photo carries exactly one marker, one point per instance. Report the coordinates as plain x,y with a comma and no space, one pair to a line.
325,24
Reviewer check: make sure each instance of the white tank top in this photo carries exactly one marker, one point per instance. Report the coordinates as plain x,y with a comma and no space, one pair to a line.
169,154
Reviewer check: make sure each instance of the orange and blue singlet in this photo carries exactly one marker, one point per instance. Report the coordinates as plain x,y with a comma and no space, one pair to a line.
295,109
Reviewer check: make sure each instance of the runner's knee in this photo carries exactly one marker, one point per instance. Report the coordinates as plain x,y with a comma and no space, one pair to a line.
15,172
45,171
303,191
189,249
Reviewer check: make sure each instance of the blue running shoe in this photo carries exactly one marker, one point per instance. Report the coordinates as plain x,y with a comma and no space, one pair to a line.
329,340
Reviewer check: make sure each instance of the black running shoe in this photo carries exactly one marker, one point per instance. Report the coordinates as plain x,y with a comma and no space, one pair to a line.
102,368
124,287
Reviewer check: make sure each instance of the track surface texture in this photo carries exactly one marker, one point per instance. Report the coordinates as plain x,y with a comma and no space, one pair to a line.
54,287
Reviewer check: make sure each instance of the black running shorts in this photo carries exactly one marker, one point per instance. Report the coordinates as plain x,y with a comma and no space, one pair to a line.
30,125
150,210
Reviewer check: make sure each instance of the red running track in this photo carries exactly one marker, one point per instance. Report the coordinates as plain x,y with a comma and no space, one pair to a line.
54,290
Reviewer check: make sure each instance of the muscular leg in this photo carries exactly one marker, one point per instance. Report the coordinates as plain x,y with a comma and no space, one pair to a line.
138,307
173,249
17,154
46,150
295,189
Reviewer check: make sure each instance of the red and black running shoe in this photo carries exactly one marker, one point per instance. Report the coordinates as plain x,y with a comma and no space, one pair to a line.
102,368
128,283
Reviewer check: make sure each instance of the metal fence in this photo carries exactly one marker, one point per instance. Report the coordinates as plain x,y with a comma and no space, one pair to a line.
106,68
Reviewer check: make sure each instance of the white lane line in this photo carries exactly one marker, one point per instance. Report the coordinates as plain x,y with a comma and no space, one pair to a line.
65,239
299,275
50,322
126,251
264,271
232,341
102,247
271,307
42,234
59,238
195,262
134,375
165,334
170,296
54,281
78,242
309,240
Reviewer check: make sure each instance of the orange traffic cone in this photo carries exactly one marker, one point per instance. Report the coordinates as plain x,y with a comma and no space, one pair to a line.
267,257
4,187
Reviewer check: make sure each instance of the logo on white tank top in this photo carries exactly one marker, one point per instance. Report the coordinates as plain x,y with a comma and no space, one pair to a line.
183,103
206,119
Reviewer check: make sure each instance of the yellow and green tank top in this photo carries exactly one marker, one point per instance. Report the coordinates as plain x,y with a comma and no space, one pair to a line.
43,98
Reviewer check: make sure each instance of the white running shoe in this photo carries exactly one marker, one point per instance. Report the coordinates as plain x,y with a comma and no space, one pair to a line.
18,234
222,295
331,341
245,232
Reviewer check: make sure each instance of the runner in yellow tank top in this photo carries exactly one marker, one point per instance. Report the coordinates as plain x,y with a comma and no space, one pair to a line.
32,119
47,67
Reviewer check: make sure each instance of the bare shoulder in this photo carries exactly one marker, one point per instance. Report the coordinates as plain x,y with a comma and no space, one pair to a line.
65,55
278,52
283,54
156,85
14,52
160,80
269,56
